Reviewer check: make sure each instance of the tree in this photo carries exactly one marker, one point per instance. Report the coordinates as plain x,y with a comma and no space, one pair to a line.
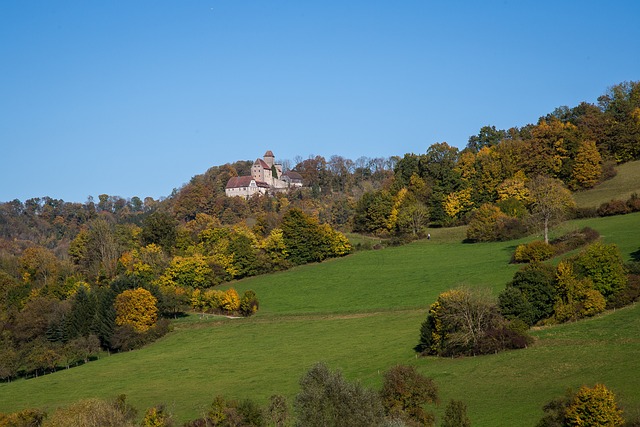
485,223
405,392
326,399
456,322
455,415
137,308
92,413
588,407
595,406
587,167
550,202
531,295
160,228
603,264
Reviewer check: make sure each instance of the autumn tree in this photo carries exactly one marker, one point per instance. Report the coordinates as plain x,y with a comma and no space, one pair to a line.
550,202
137,308
589,406
462,321
404,393
575,297
587,167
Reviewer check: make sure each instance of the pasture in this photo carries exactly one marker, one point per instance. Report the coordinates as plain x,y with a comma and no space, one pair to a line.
361,314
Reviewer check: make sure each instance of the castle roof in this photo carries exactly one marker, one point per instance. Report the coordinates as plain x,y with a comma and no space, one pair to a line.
293,175
262,163
269,153
244,181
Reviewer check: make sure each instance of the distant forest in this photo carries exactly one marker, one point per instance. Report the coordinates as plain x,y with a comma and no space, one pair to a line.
62,265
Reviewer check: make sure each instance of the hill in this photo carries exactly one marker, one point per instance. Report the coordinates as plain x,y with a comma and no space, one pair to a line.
620,187
362,314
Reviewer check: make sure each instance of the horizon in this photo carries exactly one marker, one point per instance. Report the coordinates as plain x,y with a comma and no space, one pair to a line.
136,99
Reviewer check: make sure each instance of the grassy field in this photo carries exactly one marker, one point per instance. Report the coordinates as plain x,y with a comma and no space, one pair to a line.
620,187
361,314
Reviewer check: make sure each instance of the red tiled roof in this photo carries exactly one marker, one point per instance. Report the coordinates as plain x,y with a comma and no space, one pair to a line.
262,163
244,181
293,175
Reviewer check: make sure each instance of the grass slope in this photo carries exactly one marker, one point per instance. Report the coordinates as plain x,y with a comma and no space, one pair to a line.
620,187
362,314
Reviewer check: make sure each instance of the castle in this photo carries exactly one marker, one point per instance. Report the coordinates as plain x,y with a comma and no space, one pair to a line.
266,176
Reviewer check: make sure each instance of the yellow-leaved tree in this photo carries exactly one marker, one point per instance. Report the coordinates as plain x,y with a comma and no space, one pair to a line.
137,308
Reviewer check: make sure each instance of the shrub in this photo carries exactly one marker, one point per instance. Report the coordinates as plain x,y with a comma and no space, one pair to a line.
249,303
574,240
633,203
534,251
580,213
455,415
613,207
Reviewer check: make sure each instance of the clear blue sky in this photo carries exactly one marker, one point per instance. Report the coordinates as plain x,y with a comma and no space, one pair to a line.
133,98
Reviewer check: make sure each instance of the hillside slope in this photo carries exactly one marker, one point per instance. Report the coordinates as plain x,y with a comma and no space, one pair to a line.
620,187
362,314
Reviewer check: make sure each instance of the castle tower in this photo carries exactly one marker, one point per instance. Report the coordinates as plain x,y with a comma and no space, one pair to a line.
269,158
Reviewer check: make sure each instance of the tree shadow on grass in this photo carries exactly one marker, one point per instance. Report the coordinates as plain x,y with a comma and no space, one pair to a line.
635,255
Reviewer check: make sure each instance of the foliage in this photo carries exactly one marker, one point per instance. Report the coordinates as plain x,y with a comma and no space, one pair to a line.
326,399
484,223
603,264
455,415
462,322
531,295
157,416
93,413
24,418
589,406
550,202
575,298
136,308
404,393
535,251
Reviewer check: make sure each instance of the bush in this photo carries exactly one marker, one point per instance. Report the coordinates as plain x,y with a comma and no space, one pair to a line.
574,240
613,207
580,213
633,203
535,251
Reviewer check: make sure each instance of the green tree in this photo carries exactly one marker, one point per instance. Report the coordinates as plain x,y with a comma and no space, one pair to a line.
603,264
326,399
302,237
531,294
160,228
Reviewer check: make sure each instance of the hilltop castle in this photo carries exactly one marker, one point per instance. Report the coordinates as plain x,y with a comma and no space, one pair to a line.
266,175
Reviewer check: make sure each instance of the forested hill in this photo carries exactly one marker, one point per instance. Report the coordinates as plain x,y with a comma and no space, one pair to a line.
578,145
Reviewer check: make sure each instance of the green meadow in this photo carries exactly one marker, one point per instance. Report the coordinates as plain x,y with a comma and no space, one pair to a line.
620,187
361,314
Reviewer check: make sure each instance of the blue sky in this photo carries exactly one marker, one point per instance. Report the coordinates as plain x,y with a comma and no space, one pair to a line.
134,98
